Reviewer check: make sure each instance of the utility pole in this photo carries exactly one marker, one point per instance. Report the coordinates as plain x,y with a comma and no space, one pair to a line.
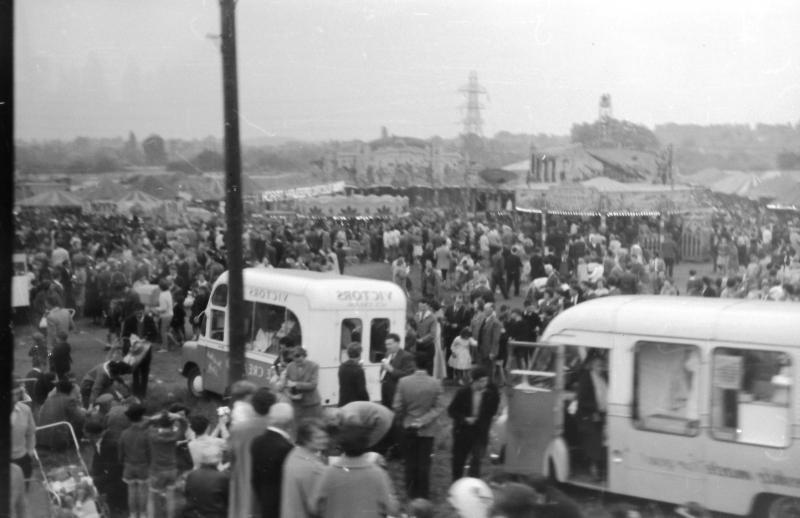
233,192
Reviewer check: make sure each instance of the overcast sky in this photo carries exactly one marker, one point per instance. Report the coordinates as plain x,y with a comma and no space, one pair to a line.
342,69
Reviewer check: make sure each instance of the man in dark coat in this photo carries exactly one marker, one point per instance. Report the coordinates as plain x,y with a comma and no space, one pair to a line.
498,263
488,338
207,489
61,356
38,383
106,470
426,331
59,406
144,326
590,413
268,451
352,381
397,364
513,265
472,410
140,324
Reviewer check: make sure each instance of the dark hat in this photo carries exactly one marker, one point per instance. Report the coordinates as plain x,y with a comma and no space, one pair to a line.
135,411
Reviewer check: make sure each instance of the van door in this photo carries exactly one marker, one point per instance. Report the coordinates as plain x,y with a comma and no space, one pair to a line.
532,424
216,362
369,331
655,445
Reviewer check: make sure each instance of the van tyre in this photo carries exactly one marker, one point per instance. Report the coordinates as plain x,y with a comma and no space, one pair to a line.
784,507
194,382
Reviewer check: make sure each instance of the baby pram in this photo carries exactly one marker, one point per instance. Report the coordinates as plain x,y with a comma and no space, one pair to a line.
70,490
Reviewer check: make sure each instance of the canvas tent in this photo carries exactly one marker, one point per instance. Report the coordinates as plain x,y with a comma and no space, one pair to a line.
106,190
132,200
52,199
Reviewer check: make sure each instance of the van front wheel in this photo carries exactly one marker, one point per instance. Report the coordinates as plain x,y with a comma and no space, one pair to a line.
194,382
784,507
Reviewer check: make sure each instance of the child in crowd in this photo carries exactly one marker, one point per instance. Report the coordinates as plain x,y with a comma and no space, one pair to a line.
460,358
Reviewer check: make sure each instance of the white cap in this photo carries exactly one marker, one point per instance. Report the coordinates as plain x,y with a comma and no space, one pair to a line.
471,498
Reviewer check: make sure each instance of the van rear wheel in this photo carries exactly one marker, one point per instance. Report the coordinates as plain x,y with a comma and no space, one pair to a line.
784,507
194,382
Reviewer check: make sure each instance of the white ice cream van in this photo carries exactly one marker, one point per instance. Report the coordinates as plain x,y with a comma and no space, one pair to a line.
701,402
324,313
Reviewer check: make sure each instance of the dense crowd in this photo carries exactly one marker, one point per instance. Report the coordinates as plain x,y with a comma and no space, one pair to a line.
148,285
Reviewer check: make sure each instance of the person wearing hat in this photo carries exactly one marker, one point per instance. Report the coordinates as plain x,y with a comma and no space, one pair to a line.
470,497
354,485
207,488
23,431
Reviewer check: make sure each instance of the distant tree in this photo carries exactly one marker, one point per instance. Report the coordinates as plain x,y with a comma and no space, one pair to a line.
788,160
105,161
182,166
614,133
79,165
131,152
155,152
208,160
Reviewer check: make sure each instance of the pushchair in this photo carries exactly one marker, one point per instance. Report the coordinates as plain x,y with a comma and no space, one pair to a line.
70,490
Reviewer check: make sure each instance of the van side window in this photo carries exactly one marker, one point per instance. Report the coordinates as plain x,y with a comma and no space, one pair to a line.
751,388
667,388
217,325
351,332
379,329
220,296
269,323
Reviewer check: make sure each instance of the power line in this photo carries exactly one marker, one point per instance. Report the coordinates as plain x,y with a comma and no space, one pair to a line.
473,121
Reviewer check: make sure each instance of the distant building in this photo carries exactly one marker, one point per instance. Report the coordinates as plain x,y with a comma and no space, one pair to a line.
395,161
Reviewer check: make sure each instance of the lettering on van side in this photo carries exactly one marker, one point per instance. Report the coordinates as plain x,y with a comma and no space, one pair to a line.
254,292
710,468
364,298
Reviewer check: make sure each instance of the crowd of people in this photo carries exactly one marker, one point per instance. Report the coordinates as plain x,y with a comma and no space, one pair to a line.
474,283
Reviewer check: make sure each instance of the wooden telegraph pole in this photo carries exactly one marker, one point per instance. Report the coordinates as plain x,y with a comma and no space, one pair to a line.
233,188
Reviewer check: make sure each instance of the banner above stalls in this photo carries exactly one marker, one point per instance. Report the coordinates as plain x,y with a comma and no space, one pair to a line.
609,198
354,206
569,199
299,193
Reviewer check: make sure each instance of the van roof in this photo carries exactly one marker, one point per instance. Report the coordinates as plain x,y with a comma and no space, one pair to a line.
326,291
698,318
